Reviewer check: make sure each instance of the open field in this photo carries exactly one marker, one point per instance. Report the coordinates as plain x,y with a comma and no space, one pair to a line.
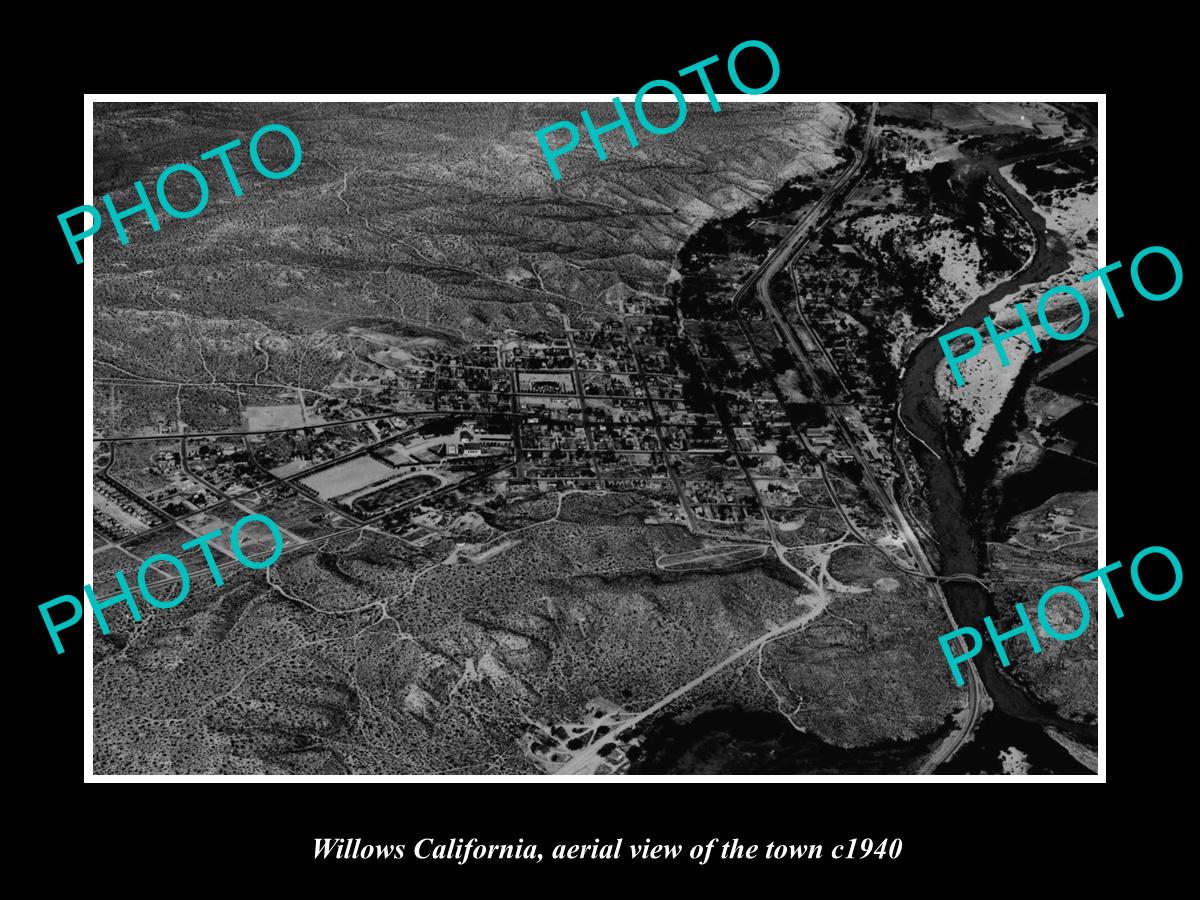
349,477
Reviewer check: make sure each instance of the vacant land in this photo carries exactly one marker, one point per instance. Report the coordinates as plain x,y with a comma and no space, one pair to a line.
348,477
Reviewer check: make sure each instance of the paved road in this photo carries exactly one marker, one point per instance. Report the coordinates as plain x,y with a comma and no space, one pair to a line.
693,526
760,284
585,761
177,435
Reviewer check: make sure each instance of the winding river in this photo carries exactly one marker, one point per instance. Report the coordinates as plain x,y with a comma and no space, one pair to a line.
1017,720
952,517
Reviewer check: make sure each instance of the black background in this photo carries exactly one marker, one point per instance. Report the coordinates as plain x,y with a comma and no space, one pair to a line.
144,833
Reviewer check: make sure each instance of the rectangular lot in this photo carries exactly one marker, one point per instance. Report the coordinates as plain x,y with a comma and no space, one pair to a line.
347,477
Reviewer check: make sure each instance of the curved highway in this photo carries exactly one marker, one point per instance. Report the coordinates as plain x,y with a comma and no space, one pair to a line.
760,284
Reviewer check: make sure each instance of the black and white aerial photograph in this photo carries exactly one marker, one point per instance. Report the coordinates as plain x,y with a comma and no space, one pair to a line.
656,468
